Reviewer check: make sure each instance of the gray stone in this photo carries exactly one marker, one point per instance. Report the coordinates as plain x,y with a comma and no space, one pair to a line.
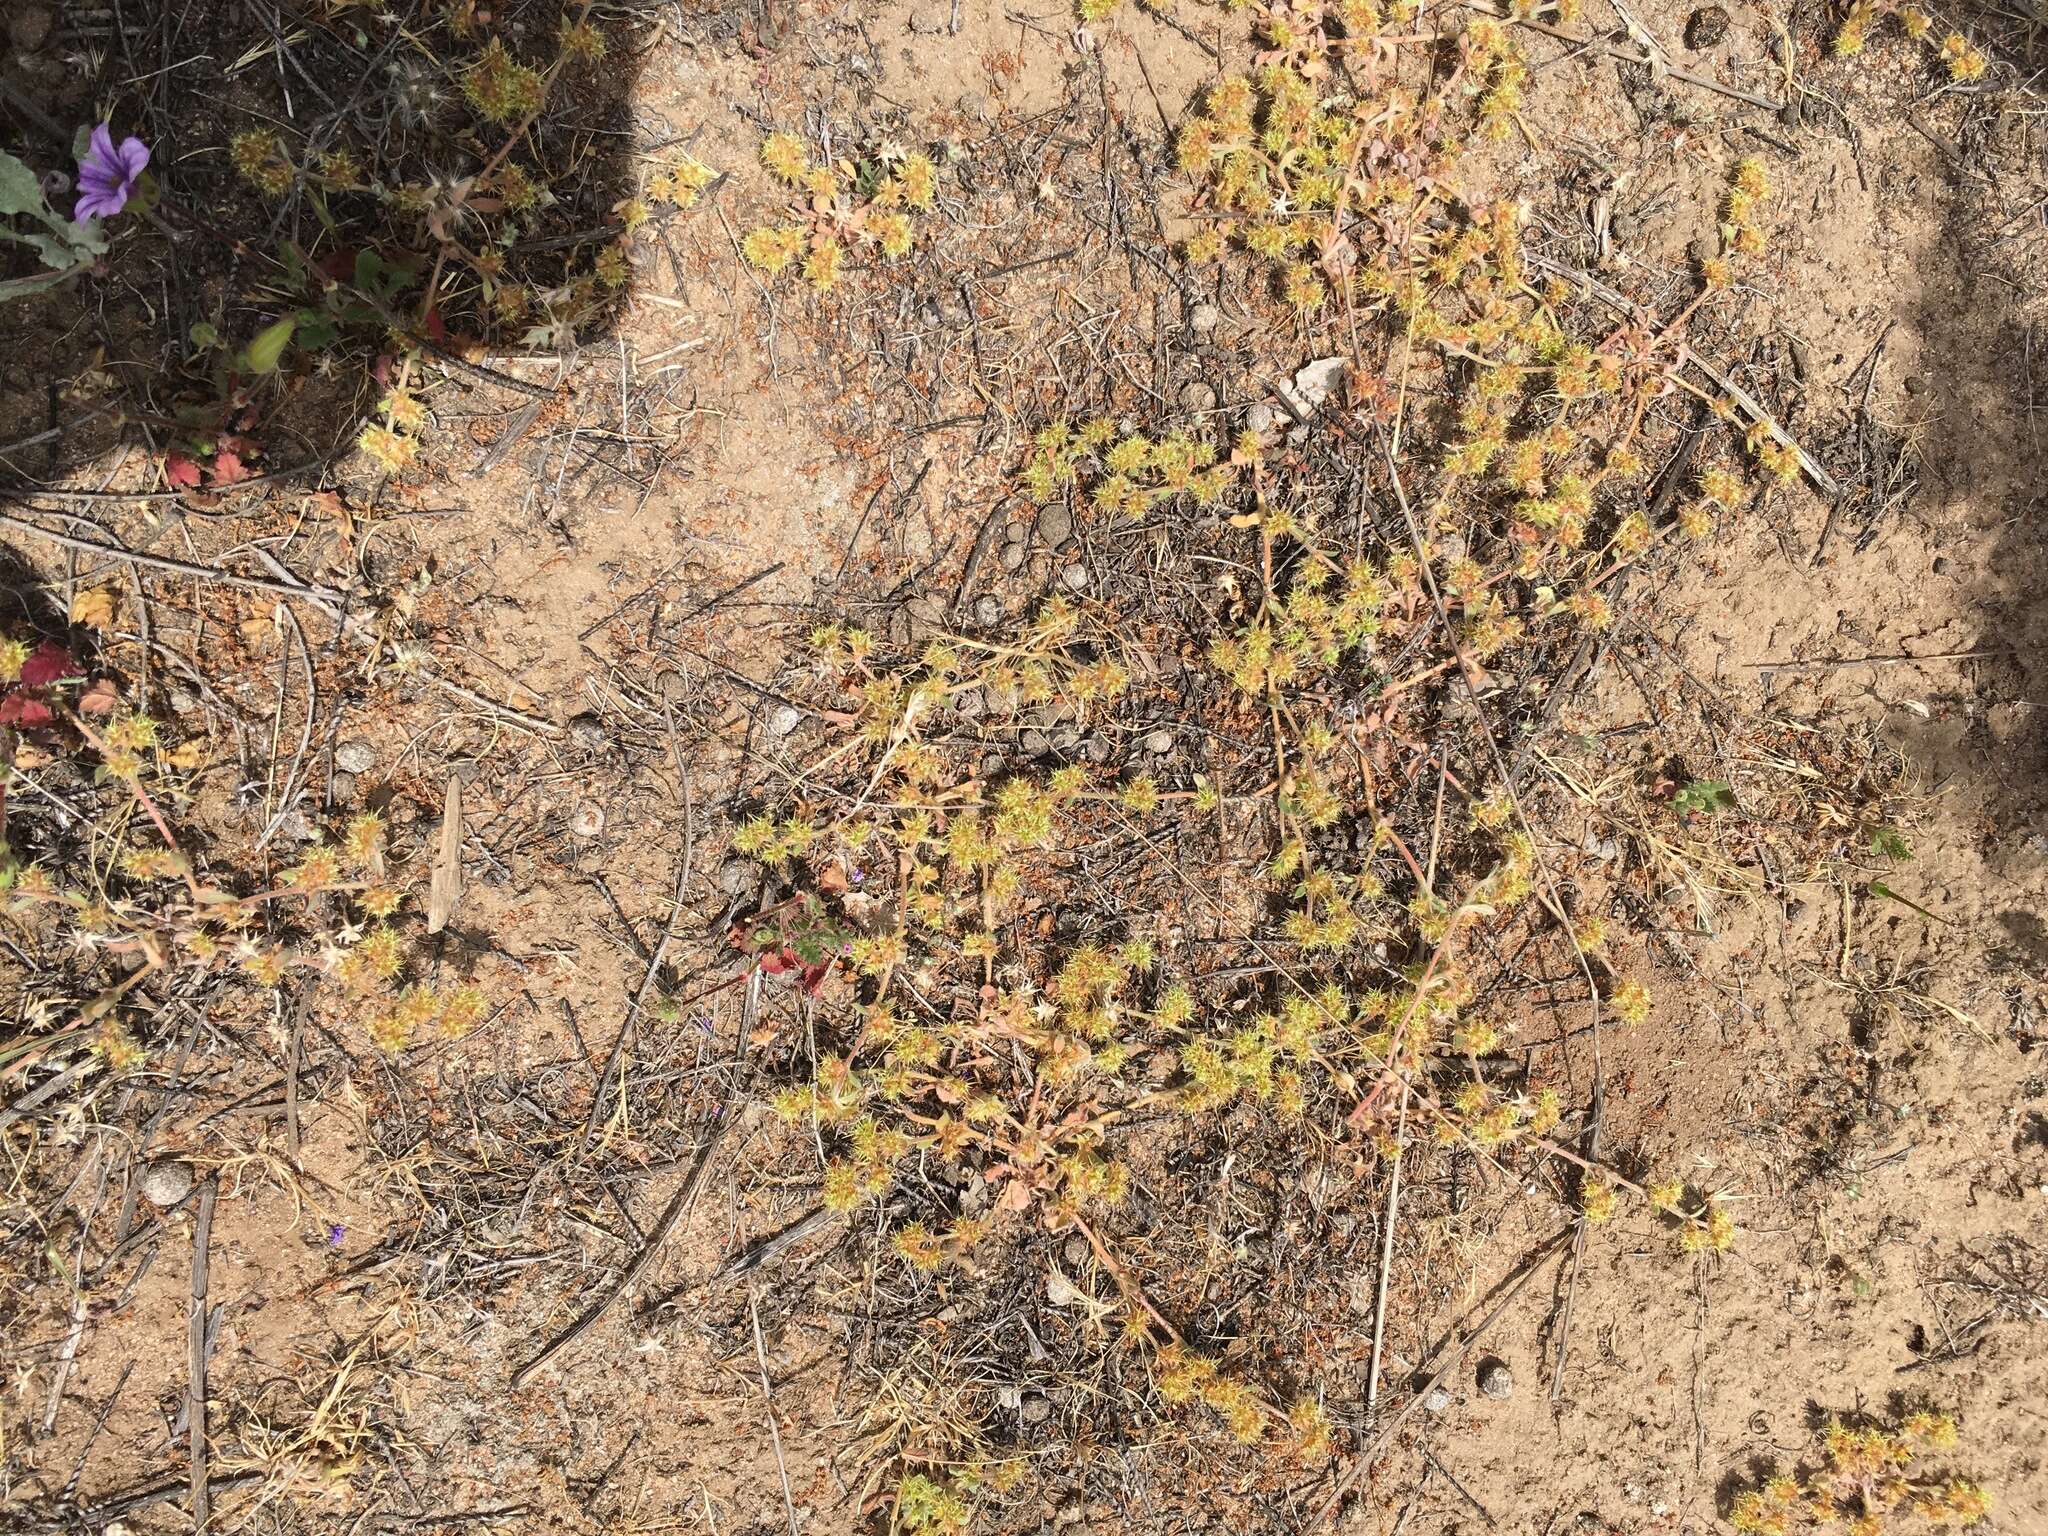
1314,382
1197,397
1495,1379
1002,698
1204,318
1437,1400
969,704
1261,418
354,756
1036,1408
588,732
987,609
1013,557
1159,741
1055,523
1095,749
1074,578
784,718
166,1182
344,787
587,820
974,106
738,876
1035,743
30,27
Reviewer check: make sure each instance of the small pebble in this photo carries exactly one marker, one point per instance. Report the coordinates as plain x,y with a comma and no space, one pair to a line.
1013,556
784,718
1915,385
1002,698
1197,397
587,820
1055,523
737,876
1035,743
1095,749
974,105
1495,1379
588,732
1623,225
167,1182
1705,27
987,609
970,704
1437,1400
344,788
1075,578
1159,741
1036,1409
1204,318
354,756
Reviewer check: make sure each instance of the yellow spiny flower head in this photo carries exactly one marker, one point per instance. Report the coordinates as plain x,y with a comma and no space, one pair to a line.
1963,61
581,41
260,160
783,155
1597,1200
391,450
1630,1002
501,88
772,248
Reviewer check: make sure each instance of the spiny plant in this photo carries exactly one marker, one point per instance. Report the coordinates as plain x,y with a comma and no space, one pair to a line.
839,205
1960,59
1035,1030
429,213
1870,1480
151,916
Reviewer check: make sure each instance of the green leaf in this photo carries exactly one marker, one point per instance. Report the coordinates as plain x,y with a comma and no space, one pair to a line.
1888,842
266,350
21,190
21,287
1707,797
1879,888
204,335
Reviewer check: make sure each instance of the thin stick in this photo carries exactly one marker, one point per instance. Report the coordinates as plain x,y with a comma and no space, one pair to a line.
166,563
195,1353
677,1205
768,1398
1571,1292
1379,1307
1830,663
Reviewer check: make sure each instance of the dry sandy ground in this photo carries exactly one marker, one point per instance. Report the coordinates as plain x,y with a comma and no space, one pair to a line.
1864,1074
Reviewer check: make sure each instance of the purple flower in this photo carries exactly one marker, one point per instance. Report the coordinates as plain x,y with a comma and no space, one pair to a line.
107,175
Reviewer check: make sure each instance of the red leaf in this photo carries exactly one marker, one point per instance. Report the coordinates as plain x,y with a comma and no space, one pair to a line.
814,977
437,332
228,469
339,265
99,699
180,471
24,710
50,663
380,370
